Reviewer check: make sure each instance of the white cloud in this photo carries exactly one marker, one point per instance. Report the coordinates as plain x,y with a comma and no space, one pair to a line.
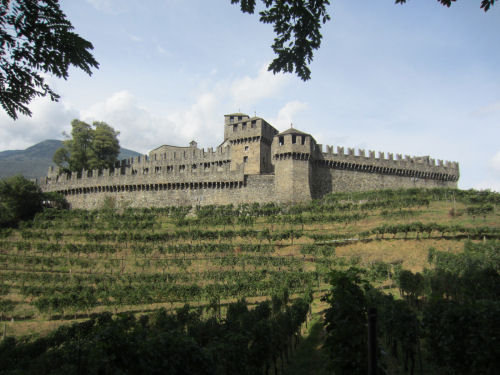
488,185
495,164
492,181
488,109
199,122
48,121
102,5
143,128
286,115
247,91
162,51
139,127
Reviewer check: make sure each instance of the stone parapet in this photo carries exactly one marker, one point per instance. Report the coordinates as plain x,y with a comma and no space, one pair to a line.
117,178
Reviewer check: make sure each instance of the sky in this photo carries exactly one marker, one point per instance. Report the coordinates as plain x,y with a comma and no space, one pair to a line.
415,79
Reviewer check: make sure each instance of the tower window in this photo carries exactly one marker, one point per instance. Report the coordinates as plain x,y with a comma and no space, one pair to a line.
254,124
231,119
240,118
303,140
235,127
281,140
294,139
245,159
244,126
246,148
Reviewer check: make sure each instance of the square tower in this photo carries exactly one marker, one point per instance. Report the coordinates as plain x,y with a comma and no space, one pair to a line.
250,139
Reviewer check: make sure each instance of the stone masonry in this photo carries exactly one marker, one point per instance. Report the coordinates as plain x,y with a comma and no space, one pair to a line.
254,163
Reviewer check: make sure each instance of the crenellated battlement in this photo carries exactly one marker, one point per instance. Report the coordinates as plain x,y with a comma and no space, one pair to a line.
254,163
129,172
372,157
422,167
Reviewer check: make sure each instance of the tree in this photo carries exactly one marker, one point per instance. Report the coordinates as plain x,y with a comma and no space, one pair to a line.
345,323
35,39
297,25
485,4
106,147
93,146
20,199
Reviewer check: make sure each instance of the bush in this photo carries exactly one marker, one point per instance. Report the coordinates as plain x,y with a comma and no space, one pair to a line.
20,199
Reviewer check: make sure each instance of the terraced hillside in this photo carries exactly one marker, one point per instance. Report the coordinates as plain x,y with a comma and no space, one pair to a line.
65,266
68,264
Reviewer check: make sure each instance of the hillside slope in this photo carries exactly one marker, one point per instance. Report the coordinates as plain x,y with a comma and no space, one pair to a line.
128,270
34,161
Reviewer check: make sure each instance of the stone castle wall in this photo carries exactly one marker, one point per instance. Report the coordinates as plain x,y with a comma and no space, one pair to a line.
367,171
255,163
254,188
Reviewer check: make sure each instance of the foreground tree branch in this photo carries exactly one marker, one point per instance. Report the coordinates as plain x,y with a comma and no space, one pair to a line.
36,39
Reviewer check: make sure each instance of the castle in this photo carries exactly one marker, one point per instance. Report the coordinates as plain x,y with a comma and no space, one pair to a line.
254,163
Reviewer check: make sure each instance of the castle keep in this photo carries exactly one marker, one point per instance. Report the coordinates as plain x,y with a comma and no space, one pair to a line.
254,163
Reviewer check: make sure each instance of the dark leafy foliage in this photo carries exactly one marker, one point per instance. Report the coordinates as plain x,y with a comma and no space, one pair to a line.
245,342
463,338
90,147
104,345
485,4
345,324
452,310
20,199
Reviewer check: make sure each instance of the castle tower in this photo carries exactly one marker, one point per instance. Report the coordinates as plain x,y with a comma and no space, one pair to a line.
250,140
292,151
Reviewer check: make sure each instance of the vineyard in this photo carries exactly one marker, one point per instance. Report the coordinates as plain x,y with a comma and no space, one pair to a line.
233,272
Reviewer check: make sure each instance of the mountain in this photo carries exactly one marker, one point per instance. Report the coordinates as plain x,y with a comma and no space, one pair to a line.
35,160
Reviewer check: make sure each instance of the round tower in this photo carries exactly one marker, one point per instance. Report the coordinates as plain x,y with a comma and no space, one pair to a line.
292,152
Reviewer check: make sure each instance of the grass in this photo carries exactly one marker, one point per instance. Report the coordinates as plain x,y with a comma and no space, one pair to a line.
309,358
411,254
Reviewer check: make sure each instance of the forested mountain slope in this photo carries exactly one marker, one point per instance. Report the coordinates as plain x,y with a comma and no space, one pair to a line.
34,161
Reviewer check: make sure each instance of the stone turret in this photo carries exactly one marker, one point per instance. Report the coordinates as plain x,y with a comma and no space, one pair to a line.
292,152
